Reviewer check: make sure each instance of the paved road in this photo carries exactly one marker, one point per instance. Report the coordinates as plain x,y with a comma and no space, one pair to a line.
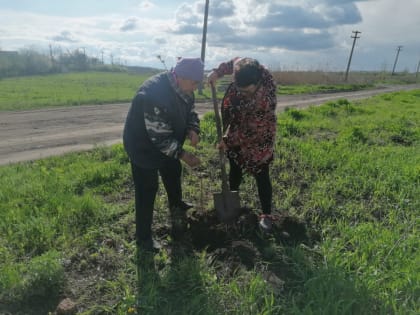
35,134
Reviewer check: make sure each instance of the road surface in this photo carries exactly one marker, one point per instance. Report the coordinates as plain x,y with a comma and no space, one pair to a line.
35,134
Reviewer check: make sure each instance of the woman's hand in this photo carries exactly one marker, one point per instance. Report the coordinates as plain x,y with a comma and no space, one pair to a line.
221,145
193,137
212,77
190,159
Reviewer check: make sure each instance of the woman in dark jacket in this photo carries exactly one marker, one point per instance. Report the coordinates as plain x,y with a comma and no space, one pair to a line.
249,121
160,119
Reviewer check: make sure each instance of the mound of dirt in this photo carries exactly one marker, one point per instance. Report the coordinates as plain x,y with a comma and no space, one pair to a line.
207,232
240,244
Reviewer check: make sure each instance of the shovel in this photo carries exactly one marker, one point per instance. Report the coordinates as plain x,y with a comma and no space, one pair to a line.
226,203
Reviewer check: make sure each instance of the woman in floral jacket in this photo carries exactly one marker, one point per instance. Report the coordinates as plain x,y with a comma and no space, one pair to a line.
249,123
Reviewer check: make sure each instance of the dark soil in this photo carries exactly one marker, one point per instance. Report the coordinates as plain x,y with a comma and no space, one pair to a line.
240,244
229,247
207,232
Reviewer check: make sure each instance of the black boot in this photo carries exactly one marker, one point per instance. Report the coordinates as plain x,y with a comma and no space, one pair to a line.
148,245
181,206
179,218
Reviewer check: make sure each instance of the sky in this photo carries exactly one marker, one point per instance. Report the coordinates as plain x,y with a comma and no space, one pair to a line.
289,35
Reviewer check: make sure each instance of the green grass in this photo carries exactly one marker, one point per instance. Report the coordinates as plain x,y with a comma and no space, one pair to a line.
69,89
350,170
82,88
320,88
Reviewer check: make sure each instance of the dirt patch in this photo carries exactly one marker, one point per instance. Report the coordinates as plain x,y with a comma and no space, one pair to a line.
207,232
240,244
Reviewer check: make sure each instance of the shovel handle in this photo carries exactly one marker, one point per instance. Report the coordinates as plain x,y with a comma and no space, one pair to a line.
219,138
216,113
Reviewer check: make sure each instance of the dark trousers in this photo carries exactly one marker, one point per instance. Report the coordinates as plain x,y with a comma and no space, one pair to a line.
146,183
265,190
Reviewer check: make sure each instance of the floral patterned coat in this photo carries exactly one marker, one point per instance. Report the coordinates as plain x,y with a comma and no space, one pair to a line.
249,124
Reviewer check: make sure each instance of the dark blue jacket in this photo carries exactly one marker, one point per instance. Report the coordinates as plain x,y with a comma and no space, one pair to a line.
157,122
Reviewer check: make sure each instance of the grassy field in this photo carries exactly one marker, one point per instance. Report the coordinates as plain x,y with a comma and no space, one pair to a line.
72,89
347,175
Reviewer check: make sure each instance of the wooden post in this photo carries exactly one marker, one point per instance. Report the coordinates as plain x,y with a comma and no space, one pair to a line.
203,42
351,53
396,59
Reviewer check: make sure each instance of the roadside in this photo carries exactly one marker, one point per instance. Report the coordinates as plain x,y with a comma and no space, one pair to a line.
35,134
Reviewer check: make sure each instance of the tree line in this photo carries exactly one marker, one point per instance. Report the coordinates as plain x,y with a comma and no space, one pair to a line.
31,62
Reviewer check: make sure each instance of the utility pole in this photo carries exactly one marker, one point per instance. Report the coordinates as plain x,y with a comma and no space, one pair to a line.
203,42
351,53
51,55
84,56
396,59
417,71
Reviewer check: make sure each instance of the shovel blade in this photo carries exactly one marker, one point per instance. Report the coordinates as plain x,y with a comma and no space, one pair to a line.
228,205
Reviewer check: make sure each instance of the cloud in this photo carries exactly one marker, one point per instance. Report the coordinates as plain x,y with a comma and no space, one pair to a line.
64,36
265,39
318,16
187,20
296,40
186,28
220,29
276,25
146,5
129,25
222,8
160,41
305,25
316,31
347,13
291,17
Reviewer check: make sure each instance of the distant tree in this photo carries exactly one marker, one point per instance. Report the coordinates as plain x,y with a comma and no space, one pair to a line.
35,62
29,62
9,64
73,61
